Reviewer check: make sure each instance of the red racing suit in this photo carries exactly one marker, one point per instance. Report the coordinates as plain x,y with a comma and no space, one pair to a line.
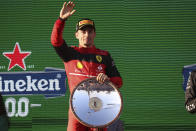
81,63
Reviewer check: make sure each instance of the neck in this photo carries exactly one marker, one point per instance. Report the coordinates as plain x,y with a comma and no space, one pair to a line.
86,45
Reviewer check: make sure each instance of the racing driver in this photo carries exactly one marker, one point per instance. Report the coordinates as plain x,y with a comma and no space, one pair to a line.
84,61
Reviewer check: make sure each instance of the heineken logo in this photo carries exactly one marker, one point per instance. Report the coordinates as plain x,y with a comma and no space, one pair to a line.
51,82
48,82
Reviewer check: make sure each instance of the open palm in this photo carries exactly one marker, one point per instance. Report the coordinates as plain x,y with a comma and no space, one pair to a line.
67,10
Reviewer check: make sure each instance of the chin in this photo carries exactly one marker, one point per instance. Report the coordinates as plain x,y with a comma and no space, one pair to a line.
88,45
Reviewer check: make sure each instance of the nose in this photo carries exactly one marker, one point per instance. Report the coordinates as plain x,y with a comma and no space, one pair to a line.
86,33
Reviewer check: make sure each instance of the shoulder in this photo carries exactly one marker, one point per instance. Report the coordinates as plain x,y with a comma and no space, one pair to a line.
101,52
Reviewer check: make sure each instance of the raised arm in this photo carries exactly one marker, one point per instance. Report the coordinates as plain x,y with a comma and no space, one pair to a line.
57,32
59,44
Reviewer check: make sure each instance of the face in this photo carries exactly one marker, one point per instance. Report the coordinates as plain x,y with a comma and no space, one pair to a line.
86,37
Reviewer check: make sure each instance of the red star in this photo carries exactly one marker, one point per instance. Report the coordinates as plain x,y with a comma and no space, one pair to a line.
16,57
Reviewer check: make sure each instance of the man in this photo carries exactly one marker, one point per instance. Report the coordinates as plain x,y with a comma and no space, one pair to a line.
84,61
190,94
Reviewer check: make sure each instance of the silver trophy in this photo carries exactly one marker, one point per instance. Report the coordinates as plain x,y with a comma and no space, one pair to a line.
96,105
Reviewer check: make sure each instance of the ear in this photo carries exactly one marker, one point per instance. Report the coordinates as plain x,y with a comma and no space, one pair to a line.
94,34
76,35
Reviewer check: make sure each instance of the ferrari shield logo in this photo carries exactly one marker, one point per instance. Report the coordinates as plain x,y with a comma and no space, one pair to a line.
99,58
79,65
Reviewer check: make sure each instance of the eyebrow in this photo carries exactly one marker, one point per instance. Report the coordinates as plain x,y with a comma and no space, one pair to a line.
89,29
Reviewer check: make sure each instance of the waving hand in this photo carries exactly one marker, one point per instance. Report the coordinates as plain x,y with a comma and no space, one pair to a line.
67,10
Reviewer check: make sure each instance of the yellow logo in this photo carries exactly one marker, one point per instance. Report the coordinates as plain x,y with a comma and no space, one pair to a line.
79,65
99,58
84,22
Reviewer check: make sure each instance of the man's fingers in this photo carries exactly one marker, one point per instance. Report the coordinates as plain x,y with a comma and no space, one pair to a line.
67,9
99,77
102,77
73,11
70,4
64,5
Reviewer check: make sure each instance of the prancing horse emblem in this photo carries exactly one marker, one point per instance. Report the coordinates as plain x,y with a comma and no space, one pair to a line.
99,58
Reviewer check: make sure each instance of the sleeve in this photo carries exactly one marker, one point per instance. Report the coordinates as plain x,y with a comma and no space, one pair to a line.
190,93
112,72
57,33
63,50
